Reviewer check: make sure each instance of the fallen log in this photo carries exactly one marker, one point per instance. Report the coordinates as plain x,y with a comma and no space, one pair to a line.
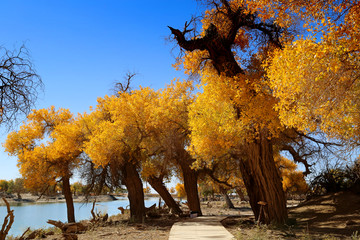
68,227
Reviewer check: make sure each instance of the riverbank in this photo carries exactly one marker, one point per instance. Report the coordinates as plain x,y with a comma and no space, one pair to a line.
333,217
29,198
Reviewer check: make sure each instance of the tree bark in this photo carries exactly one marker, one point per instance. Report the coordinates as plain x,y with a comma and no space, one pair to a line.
228,201
190,184
240,194
158,185
262,181
68,199
133,183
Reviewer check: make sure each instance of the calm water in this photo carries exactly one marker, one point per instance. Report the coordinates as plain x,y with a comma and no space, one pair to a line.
36,215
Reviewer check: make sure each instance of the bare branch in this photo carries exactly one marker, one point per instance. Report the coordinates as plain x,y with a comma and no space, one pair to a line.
8,221
19,84
297,158
122,87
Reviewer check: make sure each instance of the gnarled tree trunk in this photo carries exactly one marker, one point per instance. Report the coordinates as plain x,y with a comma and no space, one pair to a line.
158,185
68,199
263,182
134,186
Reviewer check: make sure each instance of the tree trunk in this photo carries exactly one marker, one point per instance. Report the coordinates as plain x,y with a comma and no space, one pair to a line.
228,201
263,182
133,183
240,194
158,185
68,199
190,184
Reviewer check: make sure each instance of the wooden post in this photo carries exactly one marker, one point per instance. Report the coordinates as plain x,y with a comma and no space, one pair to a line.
262,205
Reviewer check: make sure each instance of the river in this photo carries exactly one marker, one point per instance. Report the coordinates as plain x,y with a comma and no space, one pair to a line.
35,215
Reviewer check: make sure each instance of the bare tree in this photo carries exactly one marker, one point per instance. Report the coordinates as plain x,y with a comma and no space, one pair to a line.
125,86
19,84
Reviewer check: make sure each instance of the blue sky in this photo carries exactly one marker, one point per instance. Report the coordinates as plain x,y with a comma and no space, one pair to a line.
80,48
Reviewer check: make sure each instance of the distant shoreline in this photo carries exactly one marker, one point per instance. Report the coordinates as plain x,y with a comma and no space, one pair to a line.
29,198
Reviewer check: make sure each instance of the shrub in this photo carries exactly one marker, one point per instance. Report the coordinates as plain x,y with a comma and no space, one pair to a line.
333,180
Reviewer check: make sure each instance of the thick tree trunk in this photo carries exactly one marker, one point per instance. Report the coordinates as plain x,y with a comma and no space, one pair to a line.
68,199
190,184
133,183
263,182
228,201
158,185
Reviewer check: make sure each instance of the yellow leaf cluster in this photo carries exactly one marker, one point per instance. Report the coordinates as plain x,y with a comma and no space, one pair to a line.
292,179
317,87
180,190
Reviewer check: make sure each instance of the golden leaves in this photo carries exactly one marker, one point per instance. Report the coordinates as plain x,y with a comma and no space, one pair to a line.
139,126
292,179
316,85
47,146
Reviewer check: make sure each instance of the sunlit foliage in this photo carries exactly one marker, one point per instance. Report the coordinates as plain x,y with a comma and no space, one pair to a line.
292,179
316,76
47,146
180,190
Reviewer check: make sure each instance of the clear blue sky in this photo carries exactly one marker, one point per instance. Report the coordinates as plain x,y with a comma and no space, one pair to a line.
80,48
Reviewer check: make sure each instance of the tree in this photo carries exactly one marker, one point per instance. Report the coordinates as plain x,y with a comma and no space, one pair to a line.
48,147
16,186
236,39
77,188
19,84
114,143
168,140
4,185
228,29
143,129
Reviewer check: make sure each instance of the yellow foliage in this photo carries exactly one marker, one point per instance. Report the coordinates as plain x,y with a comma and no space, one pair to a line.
292,179
315,78
47,146
147,190
316,87
137,127
180,189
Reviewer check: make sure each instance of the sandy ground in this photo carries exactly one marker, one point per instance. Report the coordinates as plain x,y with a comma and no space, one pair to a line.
334,216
